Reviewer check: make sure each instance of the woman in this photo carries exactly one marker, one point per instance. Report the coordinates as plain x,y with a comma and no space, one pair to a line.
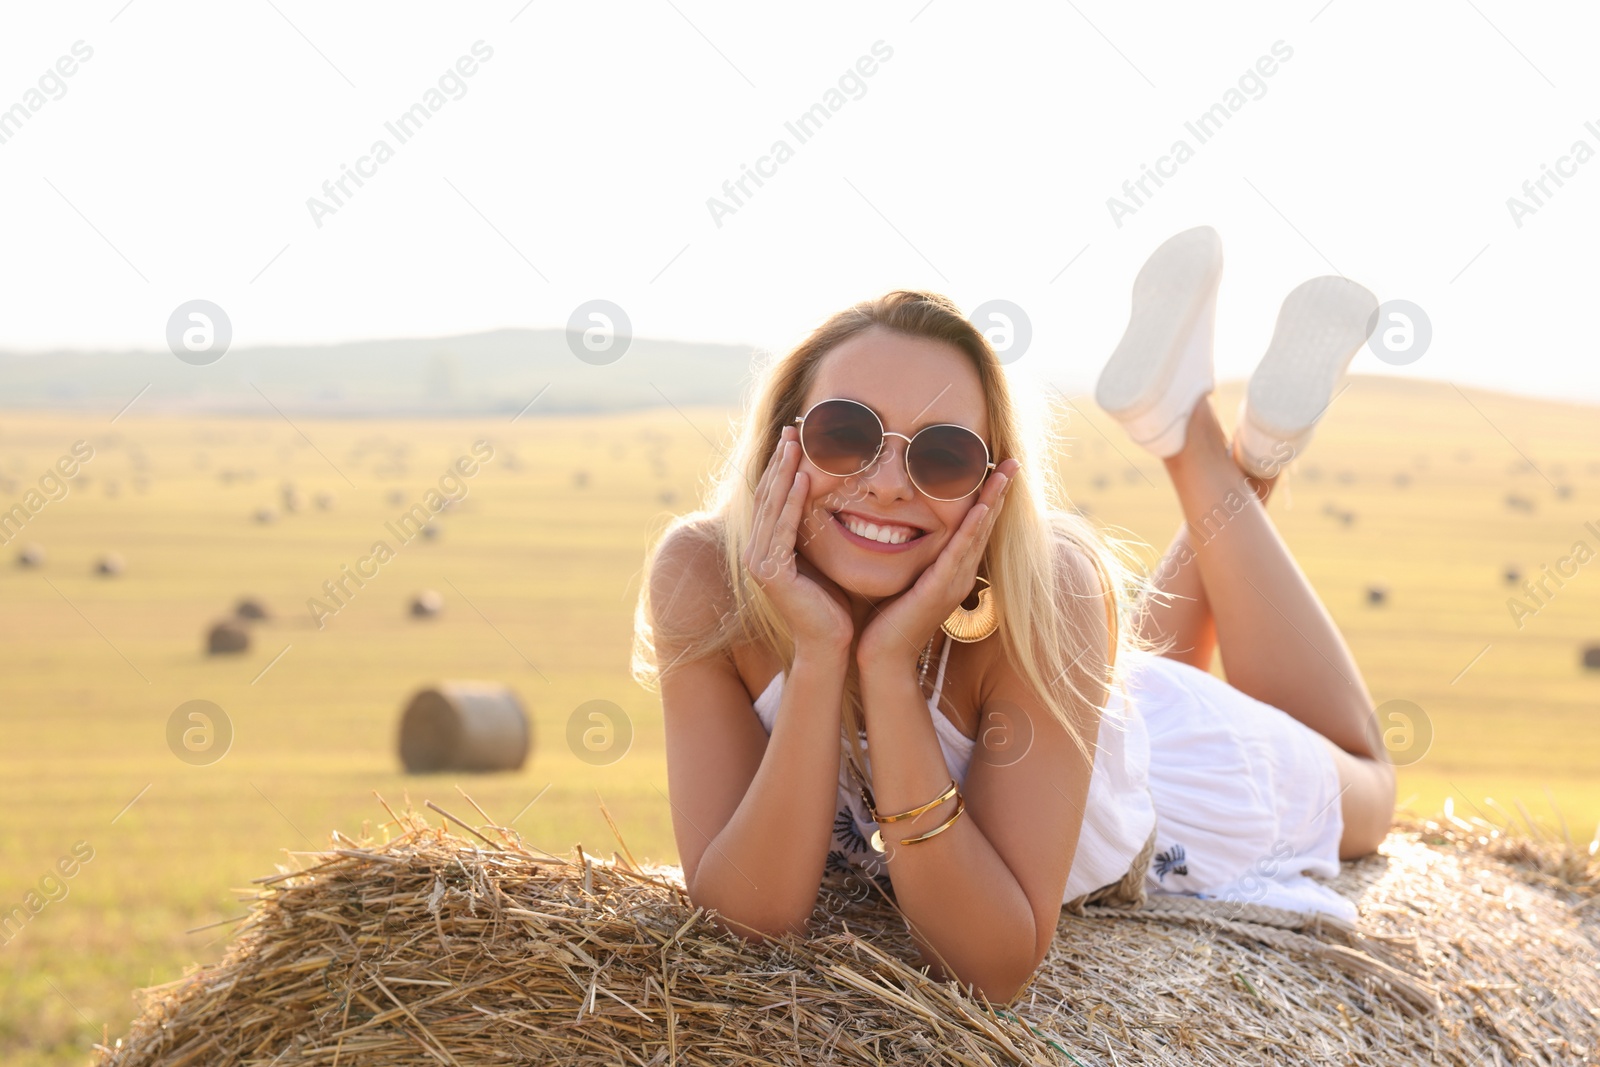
884,510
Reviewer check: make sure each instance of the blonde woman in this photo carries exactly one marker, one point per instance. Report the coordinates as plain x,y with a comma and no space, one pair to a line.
888,646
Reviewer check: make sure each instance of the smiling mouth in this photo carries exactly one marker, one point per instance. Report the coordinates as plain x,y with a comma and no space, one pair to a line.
887,534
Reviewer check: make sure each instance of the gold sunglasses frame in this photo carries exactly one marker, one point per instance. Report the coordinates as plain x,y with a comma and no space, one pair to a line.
989,464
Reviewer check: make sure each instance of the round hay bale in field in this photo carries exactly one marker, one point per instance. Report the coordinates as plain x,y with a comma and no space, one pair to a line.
30,556
1377,595
264,516
464,726
430,532
292,499
324,501
227,637
426,604
1591,657
109,565
1513,574
1472,947
250,608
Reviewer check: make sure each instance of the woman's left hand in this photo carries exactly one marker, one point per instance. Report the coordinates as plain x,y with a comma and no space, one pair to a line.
902,624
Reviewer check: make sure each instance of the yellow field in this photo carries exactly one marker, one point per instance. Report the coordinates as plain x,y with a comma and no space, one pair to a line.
539,576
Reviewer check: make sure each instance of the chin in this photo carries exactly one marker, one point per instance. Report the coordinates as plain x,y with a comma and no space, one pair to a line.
873,580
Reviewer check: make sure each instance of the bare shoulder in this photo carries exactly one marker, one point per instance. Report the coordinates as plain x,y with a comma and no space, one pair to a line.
1079,575
690,594
688,580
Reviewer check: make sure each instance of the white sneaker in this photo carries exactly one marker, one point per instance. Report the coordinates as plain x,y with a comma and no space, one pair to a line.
1162,366
1321,325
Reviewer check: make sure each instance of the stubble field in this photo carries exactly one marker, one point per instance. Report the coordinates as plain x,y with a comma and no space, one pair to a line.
1427,491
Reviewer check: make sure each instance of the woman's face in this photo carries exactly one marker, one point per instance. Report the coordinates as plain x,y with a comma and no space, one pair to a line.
911,382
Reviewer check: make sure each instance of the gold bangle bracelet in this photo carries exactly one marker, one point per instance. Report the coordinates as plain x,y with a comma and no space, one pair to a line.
961,806
914,812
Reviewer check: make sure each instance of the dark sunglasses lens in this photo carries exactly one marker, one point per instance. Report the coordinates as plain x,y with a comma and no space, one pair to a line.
841,437
948,462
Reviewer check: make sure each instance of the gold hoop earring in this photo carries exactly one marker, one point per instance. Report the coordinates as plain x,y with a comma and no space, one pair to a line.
977,623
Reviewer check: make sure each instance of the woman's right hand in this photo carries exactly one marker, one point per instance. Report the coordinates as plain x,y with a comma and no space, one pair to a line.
816,610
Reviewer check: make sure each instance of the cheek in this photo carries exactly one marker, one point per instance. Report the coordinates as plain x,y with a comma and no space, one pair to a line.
826,495
951,514
816,513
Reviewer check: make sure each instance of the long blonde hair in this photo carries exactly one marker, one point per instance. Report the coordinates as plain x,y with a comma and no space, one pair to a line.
1026,558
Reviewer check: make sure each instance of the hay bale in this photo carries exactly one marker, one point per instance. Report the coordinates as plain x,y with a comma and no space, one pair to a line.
1591,657
1513,575
109,565
434,947
227,637
324,501
463,726
264,516
291,499
1377,595
426,604
430,532
1520,503
250,608
30,556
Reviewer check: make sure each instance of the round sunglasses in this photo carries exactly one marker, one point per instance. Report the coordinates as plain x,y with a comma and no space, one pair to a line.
844,437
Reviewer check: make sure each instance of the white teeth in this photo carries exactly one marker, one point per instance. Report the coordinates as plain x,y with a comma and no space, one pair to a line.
889,535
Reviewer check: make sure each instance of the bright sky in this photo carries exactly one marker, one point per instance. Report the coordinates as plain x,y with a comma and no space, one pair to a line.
576,160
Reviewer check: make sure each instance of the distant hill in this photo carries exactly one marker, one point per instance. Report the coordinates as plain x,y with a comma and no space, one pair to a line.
498,371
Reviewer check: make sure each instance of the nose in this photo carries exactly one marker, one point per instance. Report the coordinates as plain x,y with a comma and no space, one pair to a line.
888,477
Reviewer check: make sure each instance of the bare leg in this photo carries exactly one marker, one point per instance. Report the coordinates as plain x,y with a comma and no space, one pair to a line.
1185,615
1277,641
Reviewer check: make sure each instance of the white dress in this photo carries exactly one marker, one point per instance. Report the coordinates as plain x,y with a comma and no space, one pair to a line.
1244,798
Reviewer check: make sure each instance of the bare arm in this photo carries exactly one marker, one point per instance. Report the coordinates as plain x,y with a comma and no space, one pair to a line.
753,815
984,896
763,868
